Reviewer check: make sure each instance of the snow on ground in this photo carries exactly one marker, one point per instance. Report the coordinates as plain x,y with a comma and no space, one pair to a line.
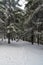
20,53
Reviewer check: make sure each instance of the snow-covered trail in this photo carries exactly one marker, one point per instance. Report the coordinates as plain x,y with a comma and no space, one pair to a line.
20,53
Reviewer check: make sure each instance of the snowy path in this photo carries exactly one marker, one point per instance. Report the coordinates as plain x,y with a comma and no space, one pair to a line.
20,53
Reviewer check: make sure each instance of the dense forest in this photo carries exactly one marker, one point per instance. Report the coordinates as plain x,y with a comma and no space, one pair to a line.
18,23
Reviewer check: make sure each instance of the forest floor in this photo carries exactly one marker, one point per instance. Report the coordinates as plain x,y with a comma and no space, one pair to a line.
20,53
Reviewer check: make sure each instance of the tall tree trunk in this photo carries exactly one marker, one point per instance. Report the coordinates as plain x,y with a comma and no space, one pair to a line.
4,33
38,39
32,37
8,38
38,35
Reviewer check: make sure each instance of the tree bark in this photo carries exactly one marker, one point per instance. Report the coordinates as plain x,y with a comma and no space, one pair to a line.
32,37
8,38
38,39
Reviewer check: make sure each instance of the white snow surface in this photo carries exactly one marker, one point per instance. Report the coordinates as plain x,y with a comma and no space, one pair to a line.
20,53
